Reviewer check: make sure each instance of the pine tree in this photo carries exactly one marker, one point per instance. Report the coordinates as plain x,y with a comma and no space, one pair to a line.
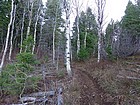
5,8
87,32
130,20
53,25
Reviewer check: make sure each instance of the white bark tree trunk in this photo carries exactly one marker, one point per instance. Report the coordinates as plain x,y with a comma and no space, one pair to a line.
86,33
54,30
100,18
12,32
77,26
99,45
22,28
85,38
37,17
30,20
67,26
7,37
77,8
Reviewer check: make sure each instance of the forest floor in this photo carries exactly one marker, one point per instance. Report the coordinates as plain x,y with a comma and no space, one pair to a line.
105,83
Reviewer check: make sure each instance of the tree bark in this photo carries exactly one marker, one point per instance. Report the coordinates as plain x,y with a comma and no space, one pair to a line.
37,17
67,26
7,37
86,33
85,39
54,30
77,26
100,7
30,20
22,28
99,45
12,32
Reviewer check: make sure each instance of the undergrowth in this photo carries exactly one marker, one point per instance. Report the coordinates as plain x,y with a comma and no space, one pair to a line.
16,77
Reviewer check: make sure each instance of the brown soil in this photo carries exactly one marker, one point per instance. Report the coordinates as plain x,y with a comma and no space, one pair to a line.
98,83
95,84
91,93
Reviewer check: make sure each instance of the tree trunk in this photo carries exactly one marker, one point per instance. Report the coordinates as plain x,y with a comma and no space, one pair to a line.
67,26
77,26
37,17
41,27
12,32
100,18
54,30
85,39
30,20
22,28
7,37
99,45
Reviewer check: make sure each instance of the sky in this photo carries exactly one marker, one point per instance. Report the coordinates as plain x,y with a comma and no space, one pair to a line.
114,9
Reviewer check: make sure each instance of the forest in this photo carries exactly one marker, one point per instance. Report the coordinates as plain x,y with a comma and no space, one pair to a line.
46,58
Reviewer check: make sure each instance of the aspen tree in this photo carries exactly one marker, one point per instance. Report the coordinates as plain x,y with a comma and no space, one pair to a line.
85,38
22,28
77,25
30,19
12,32
54,30
7,37
100,18
67,28
77,8
37,17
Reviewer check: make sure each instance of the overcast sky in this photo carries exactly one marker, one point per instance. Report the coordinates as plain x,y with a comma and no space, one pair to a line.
114,9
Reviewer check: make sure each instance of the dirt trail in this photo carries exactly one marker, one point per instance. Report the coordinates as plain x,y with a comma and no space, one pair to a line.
90,91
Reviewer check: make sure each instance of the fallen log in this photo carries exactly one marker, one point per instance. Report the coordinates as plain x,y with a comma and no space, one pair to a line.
41,94
27,100
59,97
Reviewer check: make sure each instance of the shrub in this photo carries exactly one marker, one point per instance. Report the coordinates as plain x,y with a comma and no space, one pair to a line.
109,52
28,43
83,54
16,76
60,74
26,58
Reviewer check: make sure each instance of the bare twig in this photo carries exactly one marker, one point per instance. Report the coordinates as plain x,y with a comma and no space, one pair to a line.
128,77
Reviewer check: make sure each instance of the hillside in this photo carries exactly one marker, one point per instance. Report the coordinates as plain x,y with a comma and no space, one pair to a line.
104,83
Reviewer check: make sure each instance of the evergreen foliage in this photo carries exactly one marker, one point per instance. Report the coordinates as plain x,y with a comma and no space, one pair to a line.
16,76
28,43
130,20
53,15
83,54
5,7
87,26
